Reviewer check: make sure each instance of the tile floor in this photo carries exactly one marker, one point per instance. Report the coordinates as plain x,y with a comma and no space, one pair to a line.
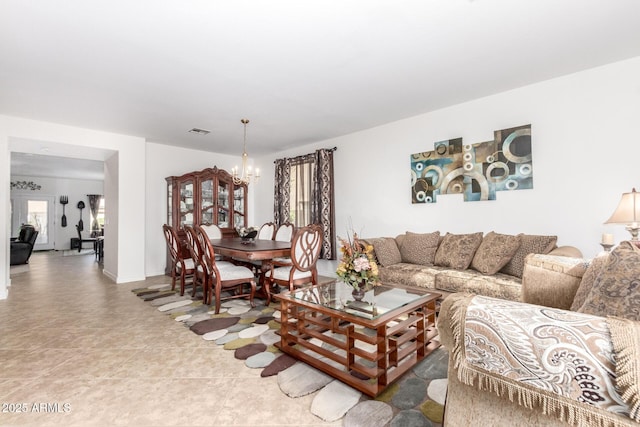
79,350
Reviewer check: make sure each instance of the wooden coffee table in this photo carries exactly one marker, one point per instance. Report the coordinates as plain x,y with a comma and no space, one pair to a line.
367,344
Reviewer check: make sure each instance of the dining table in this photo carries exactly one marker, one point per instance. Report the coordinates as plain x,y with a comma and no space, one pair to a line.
253,250
258,250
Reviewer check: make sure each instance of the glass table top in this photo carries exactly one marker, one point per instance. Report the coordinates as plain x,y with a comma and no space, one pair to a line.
376,302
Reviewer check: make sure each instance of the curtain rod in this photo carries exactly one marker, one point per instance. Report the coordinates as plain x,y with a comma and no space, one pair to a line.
328,149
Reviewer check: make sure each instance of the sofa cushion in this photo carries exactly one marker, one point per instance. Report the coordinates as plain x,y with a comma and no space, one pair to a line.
421,276
616,290
529,244
588,279
386,250
457,250
497,286
495,251
419,248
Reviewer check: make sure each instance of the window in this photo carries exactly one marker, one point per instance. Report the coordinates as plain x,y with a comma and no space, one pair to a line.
300,190
100,215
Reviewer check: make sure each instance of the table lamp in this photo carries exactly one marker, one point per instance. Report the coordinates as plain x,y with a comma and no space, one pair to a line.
628,213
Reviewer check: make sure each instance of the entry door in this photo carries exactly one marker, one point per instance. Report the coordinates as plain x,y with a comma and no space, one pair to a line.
37,211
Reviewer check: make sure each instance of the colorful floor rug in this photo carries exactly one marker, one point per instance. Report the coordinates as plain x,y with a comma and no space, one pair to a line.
416,399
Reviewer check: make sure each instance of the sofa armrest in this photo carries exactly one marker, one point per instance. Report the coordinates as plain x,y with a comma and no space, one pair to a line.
552,280
559,361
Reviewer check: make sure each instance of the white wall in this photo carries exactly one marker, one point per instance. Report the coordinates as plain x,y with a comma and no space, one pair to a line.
163,161
585,155
5,210
112,210
76,190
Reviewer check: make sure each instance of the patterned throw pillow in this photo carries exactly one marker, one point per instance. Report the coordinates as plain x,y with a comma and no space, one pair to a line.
386,251
588,279
419,249
457,250
616,291
495,251
529,244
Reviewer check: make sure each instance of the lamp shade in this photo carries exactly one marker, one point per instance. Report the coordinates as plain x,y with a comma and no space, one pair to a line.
628,210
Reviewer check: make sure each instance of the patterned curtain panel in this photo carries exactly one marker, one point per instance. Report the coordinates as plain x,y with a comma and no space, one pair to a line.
94,205
322,205
282,186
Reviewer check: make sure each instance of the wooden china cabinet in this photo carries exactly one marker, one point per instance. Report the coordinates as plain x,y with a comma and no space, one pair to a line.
206,197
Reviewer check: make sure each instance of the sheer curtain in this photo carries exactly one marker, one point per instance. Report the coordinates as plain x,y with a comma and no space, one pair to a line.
304,194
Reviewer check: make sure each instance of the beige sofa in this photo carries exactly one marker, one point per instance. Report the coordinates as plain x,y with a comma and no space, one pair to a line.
490,265
576,363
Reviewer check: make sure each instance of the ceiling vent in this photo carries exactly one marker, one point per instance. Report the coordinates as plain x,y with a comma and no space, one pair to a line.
199,131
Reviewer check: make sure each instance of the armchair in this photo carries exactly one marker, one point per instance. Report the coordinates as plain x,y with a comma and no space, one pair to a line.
22,246
516,363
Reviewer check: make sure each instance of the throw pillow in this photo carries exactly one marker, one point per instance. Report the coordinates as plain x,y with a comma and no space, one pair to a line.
386,251
419,249
529,244
457,250
495,251
588,279
616,291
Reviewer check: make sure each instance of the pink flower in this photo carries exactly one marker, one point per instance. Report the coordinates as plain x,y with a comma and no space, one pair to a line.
361,263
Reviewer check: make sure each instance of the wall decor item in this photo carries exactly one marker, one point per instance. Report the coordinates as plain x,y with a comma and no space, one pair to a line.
80,223
64,200
24,185
477,171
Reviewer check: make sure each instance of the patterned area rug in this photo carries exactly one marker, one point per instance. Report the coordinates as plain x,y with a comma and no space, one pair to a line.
416,399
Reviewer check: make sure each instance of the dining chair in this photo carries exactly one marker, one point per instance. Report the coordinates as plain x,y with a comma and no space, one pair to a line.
301,268
199,275
284,232
184,268
202,237
213,231
267,231
230,277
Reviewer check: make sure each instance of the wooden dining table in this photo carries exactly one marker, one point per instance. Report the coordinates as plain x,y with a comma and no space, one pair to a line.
259,250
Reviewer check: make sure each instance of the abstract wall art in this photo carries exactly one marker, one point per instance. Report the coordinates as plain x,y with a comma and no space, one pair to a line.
477,171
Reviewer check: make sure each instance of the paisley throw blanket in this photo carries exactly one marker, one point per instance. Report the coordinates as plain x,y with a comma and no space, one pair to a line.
559,361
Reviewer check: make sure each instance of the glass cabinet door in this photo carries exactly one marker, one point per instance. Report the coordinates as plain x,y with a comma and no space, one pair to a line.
223,204
207,202
186,203
169,203
238,207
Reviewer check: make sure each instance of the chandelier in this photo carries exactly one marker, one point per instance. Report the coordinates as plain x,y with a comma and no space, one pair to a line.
245,175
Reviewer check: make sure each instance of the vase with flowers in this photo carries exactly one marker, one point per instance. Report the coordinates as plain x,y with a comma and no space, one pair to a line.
357,266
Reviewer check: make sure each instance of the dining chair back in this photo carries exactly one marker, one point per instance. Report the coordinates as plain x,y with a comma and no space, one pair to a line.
222,275
212,230
284,232
267,231
195,249
300,269
181,267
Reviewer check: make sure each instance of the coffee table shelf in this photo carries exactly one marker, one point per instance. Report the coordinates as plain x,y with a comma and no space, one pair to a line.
366,348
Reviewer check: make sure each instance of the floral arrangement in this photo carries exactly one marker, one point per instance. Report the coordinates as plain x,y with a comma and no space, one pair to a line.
357,265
